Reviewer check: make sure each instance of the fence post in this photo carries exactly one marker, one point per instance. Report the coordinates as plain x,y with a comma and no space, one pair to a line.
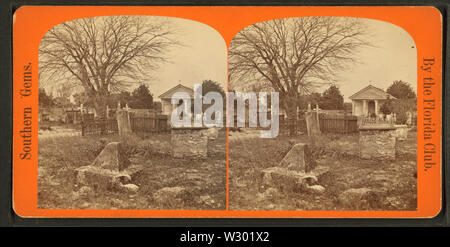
128,115
318,120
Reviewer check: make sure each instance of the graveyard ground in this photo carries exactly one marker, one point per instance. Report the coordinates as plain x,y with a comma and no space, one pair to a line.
350,184
202,182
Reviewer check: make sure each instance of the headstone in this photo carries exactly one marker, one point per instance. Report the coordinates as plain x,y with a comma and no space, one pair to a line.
123,123
112,157
312,124
111,170
299,158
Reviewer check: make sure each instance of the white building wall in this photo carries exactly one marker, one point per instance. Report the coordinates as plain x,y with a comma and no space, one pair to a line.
166,107
357,108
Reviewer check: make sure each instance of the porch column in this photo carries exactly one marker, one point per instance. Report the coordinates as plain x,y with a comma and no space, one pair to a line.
376,107
353,108
364,113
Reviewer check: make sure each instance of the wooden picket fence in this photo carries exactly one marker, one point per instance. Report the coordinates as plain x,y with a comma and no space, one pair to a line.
338,124
149,124
139,125
99,127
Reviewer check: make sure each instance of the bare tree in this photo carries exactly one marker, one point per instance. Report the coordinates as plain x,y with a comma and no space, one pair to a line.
295,55
104,54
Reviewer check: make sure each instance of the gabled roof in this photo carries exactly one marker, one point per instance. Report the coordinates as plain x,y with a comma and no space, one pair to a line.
178,88
371,92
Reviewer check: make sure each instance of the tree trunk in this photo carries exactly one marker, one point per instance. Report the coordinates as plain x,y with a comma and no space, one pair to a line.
291,111
100,108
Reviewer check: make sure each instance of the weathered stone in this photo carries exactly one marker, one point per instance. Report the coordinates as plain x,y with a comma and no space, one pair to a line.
312,123
129,188
316,189
299,158
101,179
377,142
286,179
189,142
112,157
401,132
123,122
98,178
82,192
206,199
213,133
168,194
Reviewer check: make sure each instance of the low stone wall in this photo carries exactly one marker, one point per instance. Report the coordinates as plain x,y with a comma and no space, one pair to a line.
189,142
377,142
402,131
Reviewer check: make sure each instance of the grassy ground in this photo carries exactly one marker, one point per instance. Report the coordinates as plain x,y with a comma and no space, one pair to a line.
204,181
393,182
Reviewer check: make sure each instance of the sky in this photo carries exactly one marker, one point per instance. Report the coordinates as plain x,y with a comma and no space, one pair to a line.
203,56
393,57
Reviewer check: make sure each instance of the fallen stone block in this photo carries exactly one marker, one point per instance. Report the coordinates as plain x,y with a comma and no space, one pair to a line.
112,157
104,179
98,178
315,189
285,179
129,188
299,158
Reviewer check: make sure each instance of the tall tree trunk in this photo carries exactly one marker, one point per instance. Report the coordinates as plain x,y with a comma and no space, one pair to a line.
291,111
100,107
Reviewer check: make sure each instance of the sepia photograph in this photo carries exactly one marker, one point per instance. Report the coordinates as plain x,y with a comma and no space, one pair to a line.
346,138
106,134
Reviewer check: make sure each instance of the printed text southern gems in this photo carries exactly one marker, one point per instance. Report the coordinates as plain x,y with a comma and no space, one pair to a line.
26,129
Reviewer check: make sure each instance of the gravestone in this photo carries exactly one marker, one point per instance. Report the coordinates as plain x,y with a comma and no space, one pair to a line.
111,170
299,158
112,157
377,142
312,123
296,171
123,122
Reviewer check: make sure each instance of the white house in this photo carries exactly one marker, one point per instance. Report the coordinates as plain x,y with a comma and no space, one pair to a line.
368,101
166,104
